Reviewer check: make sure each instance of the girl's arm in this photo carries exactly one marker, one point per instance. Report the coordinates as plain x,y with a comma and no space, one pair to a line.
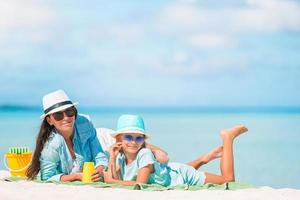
113,153
142,177
113,167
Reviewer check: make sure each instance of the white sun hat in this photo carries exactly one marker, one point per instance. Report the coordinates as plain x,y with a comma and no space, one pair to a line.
56,101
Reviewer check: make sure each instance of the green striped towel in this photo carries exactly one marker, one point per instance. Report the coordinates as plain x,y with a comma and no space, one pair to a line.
148,187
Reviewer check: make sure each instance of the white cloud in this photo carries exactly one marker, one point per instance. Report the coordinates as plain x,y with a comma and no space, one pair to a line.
126,34
117,45
191,64
268,16
191,23
179,17
200,28
210,41
256,15
27,21
180,57
24,14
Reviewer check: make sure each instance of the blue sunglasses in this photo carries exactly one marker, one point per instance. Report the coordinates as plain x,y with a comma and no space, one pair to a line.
137,139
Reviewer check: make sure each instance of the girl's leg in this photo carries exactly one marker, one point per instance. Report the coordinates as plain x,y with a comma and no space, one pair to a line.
227,163
215,153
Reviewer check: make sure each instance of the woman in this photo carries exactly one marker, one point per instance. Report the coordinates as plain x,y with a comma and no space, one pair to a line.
66,140
131,162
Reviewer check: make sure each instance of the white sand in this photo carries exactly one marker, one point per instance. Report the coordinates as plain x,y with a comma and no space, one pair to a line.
29,190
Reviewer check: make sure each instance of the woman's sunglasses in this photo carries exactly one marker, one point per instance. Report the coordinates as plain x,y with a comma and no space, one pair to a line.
70,112
137,139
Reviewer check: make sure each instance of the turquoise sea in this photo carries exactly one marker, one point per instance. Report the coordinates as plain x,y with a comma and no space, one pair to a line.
266,155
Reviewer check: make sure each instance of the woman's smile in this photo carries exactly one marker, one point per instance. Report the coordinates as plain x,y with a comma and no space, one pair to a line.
67,124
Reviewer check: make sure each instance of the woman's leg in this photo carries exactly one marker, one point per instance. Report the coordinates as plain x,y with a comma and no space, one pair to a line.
215,153
227,162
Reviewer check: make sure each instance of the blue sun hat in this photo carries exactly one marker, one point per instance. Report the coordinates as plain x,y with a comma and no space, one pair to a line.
130,124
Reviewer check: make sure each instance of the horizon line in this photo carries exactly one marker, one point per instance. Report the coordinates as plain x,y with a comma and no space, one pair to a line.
172,109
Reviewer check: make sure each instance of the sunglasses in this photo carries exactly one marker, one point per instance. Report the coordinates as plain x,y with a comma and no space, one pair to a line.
137,139
70,112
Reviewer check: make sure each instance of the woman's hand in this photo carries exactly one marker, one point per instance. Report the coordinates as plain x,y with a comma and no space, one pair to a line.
97,175
78,176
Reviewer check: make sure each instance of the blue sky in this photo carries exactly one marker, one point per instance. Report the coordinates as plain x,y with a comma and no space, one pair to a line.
151,53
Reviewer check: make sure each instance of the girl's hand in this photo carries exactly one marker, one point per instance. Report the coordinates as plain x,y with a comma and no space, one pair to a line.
108,178
115,149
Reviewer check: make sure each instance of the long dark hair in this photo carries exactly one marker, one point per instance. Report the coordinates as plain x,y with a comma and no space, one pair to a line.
42,138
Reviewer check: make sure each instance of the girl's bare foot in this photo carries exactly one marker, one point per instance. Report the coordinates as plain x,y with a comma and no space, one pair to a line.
233,132
213,154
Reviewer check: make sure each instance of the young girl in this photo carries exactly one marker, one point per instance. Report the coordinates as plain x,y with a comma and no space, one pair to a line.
131,163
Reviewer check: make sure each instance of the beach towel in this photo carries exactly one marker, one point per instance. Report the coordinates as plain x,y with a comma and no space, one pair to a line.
147,187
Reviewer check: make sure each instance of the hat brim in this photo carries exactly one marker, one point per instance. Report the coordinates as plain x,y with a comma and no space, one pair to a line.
58,109
116,133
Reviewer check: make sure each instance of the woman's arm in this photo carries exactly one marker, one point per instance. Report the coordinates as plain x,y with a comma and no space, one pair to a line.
142,177
160,155
49,161
71,177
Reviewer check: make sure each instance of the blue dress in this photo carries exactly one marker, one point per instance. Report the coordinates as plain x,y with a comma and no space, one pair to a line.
170,174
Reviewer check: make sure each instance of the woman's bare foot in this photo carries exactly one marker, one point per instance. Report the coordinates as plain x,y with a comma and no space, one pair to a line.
233,132
213,154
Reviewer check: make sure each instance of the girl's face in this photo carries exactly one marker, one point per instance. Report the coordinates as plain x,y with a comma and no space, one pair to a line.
63,120
132,142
